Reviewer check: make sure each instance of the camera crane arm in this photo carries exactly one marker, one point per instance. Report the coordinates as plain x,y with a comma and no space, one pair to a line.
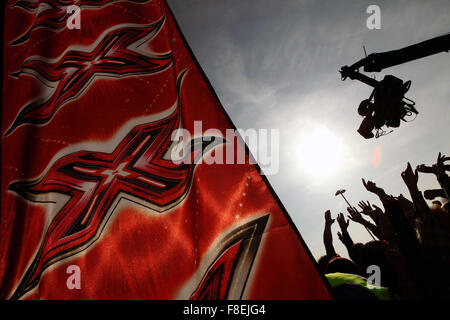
376,62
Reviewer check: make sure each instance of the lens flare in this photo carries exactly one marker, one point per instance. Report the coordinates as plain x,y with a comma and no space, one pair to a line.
376,157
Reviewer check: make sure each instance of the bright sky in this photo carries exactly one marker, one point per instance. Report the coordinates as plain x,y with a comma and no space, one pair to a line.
274,64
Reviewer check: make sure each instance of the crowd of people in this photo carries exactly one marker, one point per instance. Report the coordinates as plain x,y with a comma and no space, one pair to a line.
410,253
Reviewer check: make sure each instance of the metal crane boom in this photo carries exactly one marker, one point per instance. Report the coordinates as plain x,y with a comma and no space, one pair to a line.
376,62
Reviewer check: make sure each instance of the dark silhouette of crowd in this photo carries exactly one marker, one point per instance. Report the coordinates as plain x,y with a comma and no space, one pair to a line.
409,257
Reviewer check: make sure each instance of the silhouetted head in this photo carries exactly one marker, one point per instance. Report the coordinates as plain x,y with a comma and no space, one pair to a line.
323,262
374,253
343,265
356,253
437,203
446,206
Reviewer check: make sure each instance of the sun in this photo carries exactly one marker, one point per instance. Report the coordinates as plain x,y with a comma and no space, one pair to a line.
320,152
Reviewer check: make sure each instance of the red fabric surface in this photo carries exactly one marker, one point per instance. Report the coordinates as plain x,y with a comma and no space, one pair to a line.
205,231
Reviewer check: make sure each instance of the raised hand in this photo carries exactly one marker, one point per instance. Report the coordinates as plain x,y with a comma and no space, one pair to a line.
367,209
370,186
355,216
377,211
409,177
432,169
440,167
426,169
327,236
431,194
342,223
328,220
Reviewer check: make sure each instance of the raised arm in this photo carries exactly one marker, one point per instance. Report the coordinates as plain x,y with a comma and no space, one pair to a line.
374,214
442,177
372,187
438,169
431,194
380,219
344,235
355,216
430,169
411,178
327,236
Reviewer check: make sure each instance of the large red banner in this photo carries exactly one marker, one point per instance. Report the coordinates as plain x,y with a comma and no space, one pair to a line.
89,179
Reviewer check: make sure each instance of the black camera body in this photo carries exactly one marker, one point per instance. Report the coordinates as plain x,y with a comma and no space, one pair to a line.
386,106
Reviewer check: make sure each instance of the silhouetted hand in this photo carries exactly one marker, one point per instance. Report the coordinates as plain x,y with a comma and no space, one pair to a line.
328,220
426,169
342,223
355,216
431,194
370,186
368,210
365,207
377,210
432,169
409,177
440,167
